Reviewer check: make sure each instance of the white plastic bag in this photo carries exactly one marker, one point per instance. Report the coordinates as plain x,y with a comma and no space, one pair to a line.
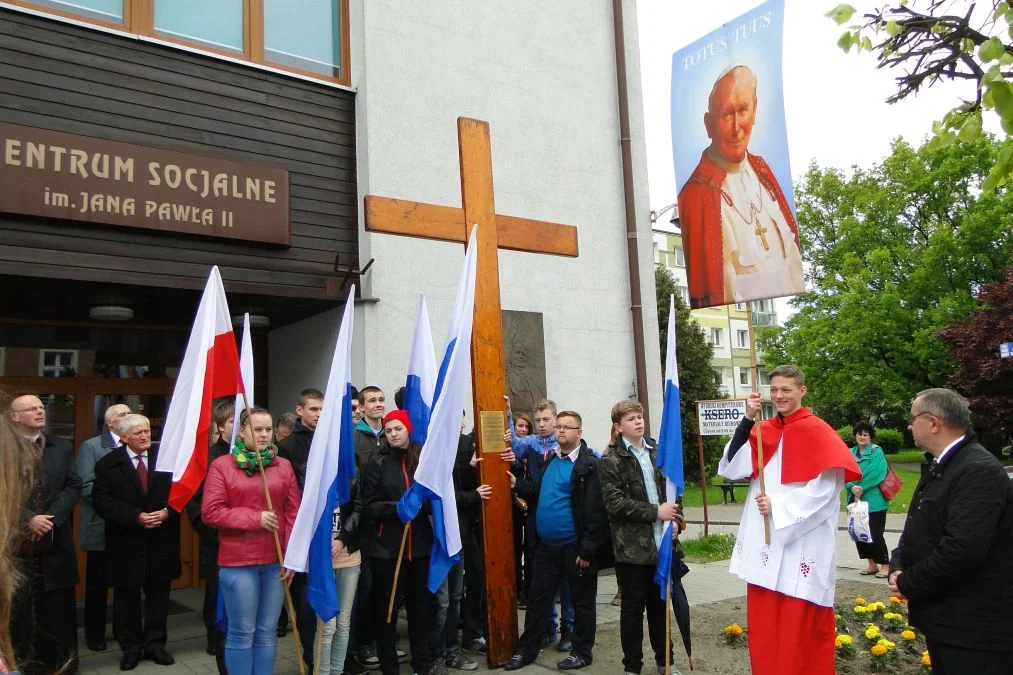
858,522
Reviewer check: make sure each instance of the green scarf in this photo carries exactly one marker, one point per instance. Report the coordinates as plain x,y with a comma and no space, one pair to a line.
247,461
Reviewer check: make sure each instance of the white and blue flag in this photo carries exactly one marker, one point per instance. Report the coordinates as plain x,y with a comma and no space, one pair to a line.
420,389
330,470
434,478
670,452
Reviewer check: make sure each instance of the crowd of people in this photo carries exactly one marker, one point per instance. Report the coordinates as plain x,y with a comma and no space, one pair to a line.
577,512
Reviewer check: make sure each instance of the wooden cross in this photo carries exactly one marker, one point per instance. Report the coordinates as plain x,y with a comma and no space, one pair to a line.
430,221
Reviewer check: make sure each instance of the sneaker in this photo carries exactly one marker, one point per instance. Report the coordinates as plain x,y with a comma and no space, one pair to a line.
565,643
459,661
402,656
438,669
353,667
479,646
522,602
367,657
672,670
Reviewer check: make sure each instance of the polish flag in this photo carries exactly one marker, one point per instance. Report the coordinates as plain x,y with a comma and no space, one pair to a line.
210,370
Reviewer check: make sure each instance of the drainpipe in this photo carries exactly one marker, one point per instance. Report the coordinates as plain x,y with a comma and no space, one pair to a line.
636,306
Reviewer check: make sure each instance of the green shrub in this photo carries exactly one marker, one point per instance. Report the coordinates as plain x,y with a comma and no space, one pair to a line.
847,435
890,440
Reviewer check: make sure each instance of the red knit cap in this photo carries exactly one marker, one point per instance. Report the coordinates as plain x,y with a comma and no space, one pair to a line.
401,416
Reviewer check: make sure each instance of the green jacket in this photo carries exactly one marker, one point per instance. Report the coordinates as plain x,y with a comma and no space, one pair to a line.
631,517
873,465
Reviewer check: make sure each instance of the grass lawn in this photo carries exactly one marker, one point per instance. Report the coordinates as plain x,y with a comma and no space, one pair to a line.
909,456
708,549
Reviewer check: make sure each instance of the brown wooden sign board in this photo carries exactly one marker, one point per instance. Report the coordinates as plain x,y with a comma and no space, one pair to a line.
58,175
395,216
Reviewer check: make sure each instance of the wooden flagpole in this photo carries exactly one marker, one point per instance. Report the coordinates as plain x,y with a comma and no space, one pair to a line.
759,418
397,571
277,543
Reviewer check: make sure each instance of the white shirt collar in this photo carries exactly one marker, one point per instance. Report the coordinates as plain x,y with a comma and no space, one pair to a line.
629,444
572,456
133,457
116,439
939,459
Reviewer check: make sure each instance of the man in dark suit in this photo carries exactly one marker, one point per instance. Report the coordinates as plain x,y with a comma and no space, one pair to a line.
43,621
93,528
954,557
142,542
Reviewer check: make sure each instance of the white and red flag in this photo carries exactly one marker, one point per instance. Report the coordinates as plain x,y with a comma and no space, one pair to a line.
210,370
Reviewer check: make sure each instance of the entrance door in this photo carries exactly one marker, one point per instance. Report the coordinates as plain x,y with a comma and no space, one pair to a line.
75,410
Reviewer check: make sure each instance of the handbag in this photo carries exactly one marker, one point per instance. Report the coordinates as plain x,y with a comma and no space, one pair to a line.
891,485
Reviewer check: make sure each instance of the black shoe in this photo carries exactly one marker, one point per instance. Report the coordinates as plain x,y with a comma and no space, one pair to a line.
353,667
130,661
210,648
160,656
282,631
99,646
572,662
517,662
522,602
565,642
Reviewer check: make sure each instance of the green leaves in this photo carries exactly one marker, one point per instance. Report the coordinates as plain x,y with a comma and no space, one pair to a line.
841,14
991,50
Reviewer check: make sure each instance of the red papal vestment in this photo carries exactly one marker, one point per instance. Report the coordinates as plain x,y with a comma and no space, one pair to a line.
791,581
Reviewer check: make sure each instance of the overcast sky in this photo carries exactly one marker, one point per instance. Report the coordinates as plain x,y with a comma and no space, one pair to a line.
834,102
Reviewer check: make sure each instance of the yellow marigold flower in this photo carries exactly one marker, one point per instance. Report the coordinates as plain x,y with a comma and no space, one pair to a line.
859,601
872,632
894,600
878,650
883,642
860,610
734,629
925,659
837,643
845,639
908,634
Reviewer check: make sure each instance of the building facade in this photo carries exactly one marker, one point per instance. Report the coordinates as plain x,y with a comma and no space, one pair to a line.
725,327
144,141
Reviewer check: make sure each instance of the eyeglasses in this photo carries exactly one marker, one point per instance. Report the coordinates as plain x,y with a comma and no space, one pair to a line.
912,418
560,427
32,409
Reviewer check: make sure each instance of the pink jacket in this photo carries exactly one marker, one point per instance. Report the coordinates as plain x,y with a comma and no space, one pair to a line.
233,502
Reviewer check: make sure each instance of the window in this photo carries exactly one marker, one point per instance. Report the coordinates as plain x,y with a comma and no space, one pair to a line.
761,375
761,305
684,292
57,363
680,257
742,338
720,372
657,253
744,376
716,336
740,306
309,37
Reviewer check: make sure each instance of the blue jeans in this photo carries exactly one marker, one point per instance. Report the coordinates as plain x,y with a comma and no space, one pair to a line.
566,609
253,598
445,635
334,639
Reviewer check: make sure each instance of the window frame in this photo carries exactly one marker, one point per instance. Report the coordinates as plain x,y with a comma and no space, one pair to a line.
742,338
744,377
42,362
716,336
139,20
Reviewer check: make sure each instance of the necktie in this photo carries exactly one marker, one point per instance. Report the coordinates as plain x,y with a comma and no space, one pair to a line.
142,473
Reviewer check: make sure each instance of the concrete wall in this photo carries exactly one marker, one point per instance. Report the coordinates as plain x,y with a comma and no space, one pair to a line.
543,75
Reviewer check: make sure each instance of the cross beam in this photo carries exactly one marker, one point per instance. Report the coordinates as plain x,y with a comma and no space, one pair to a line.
431,221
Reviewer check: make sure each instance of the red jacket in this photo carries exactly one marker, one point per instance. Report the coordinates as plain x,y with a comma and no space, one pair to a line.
233,502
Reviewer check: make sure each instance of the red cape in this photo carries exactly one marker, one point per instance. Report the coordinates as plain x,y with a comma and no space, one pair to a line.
700,223
810,447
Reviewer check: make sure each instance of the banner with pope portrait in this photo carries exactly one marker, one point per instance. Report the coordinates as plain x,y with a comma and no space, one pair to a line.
730,146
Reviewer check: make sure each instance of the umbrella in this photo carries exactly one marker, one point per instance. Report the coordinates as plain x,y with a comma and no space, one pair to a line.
680,605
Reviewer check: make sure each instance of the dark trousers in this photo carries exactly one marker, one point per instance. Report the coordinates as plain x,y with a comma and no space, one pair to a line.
951,660
550,565
96,595
363,613
520,518
44,628
411,589
640,593
216,638
473,605
141,629
875,549
305,617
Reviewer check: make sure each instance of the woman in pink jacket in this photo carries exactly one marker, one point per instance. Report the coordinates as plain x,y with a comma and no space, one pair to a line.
250,576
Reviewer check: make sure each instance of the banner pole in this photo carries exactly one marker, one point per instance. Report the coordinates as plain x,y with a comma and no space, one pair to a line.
703,482
755,372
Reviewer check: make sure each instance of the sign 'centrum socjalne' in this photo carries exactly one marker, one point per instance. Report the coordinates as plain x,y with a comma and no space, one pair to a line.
57,175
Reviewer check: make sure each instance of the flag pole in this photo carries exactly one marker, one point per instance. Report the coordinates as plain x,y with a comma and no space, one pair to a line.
759,418
668,623
397,571
277,544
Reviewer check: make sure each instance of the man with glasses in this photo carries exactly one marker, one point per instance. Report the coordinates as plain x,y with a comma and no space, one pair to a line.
954,557
43,620
570,533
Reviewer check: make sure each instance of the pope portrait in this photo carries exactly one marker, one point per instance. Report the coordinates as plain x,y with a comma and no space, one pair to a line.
738,229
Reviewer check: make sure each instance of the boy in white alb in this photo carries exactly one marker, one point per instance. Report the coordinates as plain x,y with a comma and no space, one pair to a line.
790,593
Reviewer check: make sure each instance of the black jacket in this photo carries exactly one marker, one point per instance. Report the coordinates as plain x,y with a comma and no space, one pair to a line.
466,479
131,550
956,551
208,535
61,490
367,444
296,449
385,479
589,519
351,518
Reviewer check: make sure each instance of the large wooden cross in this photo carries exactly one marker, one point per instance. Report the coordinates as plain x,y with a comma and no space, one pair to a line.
395,216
